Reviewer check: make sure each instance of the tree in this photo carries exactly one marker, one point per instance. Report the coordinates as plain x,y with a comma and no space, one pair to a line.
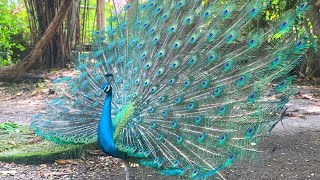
310,65
17,71
42,12
314,15
101,15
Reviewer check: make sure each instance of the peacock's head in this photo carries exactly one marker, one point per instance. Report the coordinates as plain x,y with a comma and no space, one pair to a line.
106,87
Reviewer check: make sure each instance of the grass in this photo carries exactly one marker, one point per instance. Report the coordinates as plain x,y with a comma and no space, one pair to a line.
19,144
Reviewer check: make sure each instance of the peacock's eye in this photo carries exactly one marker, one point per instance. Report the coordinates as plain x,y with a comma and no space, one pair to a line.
106,89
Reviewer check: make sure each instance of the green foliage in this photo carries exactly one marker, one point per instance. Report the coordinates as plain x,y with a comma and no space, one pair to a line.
88,18
276,8
309,68
8,126
40,86
13,26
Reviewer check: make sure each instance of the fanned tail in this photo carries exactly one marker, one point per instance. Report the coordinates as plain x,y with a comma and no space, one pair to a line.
193,91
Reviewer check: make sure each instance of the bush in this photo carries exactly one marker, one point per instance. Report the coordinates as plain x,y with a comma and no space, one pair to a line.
14,33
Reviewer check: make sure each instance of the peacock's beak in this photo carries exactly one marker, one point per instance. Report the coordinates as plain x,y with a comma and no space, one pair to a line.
108,75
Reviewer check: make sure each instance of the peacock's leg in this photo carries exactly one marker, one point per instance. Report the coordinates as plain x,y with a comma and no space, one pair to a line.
222,177
126,168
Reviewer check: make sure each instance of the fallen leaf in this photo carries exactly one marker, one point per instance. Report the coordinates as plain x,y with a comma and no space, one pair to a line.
66,161
307,96
34,140
295,115
43,165
12,142
12,172
95,152
56,174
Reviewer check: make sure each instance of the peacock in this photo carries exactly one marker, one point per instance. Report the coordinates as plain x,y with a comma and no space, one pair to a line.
187,87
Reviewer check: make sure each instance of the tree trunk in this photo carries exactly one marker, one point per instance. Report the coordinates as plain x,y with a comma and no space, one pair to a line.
14,73
314,15
101,15
309,69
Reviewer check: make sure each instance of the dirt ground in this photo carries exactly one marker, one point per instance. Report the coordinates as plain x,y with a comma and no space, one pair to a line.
291,152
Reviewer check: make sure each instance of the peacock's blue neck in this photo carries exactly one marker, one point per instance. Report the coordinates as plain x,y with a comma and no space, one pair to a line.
106,129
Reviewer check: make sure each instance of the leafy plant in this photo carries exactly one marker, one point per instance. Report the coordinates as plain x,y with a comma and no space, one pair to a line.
13,32
88,20
8,126
40,86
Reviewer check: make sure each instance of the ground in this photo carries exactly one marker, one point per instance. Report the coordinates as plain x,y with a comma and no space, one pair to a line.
292,151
